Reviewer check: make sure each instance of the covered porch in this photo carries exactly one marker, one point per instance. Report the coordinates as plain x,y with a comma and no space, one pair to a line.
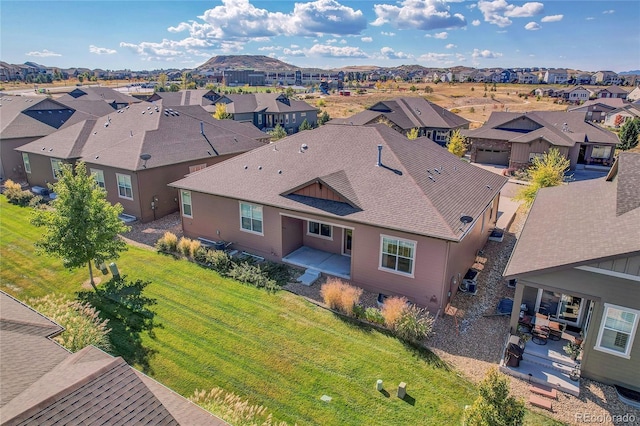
328,263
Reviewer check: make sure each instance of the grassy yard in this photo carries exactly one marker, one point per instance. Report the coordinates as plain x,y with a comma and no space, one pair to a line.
275,349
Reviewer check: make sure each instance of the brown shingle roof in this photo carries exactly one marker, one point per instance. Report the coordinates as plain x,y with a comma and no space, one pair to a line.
553,236
434,199
268,102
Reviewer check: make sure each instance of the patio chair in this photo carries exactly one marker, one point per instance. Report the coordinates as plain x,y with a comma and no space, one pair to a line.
539,334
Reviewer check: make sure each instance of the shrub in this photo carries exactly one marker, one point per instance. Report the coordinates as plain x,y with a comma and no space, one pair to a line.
219,261
36,202
252,274
278,272
455,110
200,255
495,406
414,324
184,246
167,243
340,296
194,247
392,311
15,195
359,311
321,103
472,110
374,315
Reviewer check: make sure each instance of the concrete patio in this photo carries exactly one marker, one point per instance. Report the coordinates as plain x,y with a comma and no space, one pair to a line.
325,262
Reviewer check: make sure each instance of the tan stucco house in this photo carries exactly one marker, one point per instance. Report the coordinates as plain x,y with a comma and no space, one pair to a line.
391,215
577,262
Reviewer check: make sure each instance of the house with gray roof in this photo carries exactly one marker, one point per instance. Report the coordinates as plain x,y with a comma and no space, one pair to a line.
617,117
266,110
405,114
515,139
612,92
363,203
44,384
597,109
577,263
136,151
112,97
203,97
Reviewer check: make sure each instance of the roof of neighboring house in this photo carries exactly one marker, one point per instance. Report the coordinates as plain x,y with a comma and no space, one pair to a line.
265,102
408,113
98,93
169,135
23,117
185,97
613,89
552,237
606,103
344,159
632,109
43,383
558,128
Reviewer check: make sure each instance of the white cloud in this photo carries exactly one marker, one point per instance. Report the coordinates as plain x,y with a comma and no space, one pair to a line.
486,54
293,52
418,14
343,41
385,33
168,49
608,12
552,18
475,22
269,48
331,40
101,50
451,46
44,53
590,18
389,53
366,39
498,12
443,35
337,51
437,58
532,26
294,46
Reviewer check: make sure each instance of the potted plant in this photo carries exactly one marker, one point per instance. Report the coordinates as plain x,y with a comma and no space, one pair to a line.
573,349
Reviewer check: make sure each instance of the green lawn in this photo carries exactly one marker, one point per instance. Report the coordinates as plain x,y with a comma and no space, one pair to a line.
275,349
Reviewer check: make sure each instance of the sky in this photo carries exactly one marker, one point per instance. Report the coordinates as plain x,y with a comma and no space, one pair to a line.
161,34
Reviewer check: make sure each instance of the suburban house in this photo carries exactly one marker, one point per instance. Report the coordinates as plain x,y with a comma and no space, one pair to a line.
25,119
515,139
597,109
405,114
44,384
556,76
114,98
571,275
135,152
634,95
359,202
582,78
204,98
605,77
527,78
575,94
612,92
618,116
266,110
544,91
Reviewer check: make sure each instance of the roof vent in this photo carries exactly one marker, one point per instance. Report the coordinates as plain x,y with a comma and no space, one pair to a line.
466,219
145,157
432,178
259,167
246,167
279,172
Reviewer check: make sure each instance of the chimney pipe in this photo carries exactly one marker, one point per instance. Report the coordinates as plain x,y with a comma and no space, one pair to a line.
201,128
379,163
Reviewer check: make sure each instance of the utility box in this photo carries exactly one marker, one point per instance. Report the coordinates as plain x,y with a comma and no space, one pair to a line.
114,269
402,390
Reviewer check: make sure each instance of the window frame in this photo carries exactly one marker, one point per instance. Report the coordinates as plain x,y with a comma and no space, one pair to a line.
26,162
319,234
604,148
183,203
98,172
197,167
398,241
634,329
56,169
118,175
251,207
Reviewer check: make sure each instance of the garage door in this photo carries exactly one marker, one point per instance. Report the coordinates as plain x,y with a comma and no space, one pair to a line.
492,156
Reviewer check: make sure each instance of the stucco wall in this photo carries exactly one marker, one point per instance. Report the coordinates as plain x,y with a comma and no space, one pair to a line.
11,165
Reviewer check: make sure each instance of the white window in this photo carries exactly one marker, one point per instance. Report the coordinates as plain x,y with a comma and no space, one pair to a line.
397,255
186,203
197,167
27,164
259,118
319,229
286,119
601,152
303,114
293,118
251,218
125,189
56,165
617,330
533,155
98,175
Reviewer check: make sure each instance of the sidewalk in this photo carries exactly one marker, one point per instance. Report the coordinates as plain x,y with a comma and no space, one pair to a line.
506,212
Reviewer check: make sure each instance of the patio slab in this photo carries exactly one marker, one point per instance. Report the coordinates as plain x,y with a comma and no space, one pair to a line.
328,263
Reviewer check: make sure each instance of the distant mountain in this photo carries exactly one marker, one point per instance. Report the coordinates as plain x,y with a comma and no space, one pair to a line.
260,62
632,72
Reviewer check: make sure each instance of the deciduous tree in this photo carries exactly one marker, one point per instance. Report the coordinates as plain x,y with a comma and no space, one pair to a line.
221,112
546,171
82,227
412,134
494,406
457,144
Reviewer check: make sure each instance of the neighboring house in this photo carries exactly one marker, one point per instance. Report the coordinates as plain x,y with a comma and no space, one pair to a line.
44,384
634,95
605,77
114,98
204,98
25,119
576,94
360,202
515,139
137,151
266,110
527,78
612,92
582,78
578,263
597,109
405,114
544,91
626,112
556,76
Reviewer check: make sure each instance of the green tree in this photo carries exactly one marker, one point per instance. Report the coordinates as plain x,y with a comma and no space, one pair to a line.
221,112
83,226
277,133
173,87
324,117
629,133
413,88
457,144
545,171
412,134
494,406
162,80
305,125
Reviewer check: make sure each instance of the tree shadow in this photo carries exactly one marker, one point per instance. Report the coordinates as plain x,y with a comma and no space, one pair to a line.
129,314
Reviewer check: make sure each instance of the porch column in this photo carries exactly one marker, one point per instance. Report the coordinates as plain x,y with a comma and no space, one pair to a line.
515,312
